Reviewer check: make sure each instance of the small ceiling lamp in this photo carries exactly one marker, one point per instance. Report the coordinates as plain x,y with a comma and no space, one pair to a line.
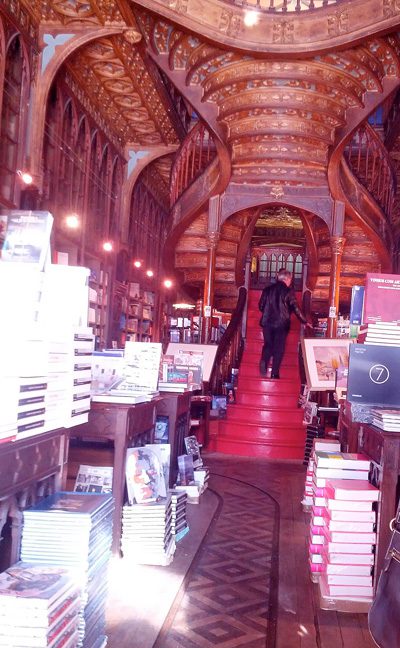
72,221
168,283
251,18
25,177
184,306
107,246
137,263
150,273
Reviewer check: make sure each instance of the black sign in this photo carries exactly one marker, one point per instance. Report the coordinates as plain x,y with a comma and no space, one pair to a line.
374,375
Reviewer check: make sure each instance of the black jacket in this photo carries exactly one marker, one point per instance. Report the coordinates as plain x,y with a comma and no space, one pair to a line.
277,303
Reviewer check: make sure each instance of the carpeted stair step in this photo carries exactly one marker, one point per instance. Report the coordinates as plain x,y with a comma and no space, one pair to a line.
253,357
244,413
267,386
253,371
261,399
263,432
269,450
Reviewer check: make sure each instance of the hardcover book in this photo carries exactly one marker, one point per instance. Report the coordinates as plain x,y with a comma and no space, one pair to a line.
373,375
27,237
382,298
144,478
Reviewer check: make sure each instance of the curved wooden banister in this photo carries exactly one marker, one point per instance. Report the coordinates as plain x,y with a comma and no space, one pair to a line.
370,162
196,153
230,347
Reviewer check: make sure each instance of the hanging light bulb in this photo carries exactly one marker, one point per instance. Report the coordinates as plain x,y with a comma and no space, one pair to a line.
107,246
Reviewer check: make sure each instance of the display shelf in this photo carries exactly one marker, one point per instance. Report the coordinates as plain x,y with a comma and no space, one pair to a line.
98,303
132,313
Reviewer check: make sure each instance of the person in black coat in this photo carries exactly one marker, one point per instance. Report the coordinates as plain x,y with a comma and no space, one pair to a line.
277,303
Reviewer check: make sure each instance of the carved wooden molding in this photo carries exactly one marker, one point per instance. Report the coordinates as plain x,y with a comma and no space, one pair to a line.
306,32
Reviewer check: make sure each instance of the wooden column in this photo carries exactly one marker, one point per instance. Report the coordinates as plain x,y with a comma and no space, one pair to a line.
212,242
337,245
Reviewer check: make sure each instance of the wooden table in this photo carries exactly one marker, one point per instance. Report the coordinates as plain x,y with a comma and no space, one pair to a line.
176,406
126,426
30,469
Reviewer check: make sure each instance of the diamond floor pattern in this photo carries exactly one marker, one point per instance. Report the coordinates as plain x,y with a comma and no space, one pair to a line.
230,600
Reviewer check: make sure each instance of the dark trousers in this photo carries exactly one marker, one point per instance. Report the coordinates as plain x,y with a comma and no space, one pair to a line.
274,347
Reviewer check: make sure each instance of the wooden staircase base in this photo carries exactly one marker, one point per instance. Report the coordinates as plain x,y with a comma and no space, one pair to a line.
265,421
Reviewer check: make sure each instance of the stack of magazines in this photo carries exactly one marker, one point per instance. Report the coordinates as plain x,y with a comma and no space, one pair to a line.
74,531
178,508
39,606
147,536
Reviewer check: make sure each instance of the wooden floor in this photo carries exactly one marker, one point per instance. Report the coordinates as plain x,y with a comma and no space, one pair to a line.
300,621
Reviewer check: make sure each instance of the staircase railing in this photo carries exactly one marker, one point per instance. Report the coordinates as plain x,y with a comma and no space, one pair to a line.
195,155
230,348
369,161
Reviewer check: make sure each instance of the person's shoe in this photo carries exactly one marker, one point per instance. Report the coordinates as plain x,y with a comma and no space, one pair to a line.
275,376
263,368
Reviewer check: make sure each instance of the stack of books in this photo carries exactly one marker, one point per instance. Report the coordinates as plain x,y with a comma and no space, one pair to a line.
324,445
386,419
329,466
39,606
312,432
74,531
382,333
348,550
147,537
179,524
201,477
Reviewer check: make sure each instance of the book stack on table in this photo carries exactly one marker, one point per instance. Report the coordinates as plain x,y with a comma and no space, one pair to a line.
74,531
381,333
331,467
179,524
323,445
39,607
348,550
386,419
147,537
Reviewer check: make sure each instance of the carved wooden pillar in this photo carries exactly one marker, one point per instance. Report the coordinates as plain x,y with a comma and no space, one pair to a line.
337,245
212,242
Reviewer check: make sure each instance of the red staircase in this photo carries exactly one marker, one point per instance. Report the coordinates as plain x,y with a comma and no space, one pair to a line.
265,420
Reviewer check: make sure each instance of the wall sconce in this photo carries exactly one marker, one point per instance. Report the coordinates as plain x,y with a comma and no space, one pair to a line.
168,283
107,246
251,18
150,273
25,177
137,263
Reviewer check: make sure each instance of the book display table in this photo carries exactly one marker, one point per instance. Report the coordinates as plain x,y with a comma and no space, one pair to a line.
383,448
30,469
126,426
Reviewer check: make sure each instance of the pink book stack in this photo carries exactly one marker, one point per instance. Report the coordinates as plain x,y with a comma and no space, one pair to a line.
348,550
325,445
341,533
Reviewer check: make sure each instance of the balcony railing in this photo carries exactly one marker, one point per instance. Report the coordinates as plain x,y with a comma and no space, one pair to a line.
369,161
195,155
283,6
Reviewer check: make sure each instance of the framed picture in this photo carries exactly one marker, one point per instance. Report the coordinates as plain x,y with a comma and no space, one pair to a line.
322,358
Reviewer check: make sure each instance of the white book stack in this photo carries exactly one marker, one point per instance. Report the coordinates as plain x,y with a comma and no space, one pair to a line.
329,466
386,419
83,521
9,389
201,477
381,333
179,524
39,607
348,552
31,405
147,537
326,445
70,358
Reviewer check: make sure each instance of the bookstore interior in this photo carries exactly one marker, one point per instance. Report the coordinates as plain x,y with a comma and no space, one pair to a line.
160,163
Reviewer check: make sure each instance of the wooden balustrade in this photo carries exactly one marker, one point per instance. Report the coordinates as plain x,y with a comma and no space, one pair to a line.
283,6
196,153
230,347
369,161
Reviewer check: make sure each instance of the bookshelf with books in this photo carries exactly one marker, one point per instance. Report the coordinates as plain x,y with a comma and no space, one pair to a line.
98,302
133,310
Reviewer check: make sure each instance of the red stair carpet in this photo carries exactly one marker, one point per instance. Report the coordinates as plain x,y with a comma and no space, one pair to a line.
265,420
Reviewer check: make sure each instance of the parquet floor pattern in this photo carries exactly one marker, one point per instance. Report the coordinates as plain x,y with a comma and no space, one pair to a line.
230,598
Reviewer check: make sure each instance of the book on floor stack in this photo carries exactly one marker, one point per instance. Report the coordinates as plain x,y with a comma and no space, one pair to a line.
179,524
329,466
147,537
313,431
386,419
325,445
348,551
74,531
39,607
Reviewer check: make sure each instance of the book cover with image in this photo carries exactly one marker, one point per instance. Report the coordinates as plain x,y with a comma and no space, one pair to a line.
26,237
144,476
